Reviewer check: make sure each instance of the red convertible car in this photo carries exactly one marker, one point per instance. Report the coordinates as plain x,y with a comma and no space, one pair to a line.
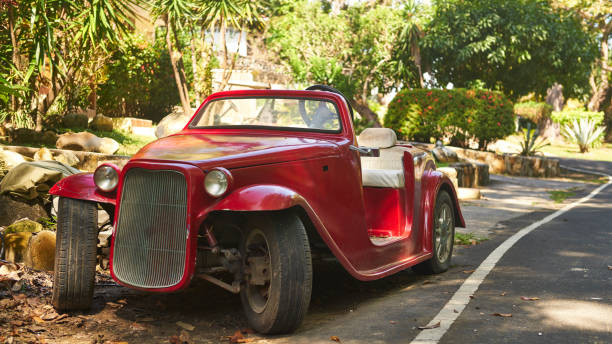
256,182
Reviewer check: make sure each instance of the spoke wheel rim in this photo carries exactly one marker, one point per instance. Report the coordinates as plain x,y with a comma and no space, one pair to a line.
443,232
256,245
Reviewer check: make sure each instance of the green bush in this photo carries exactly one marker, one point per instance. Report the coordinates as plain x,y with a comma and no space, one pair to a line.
140,83
460,115
568,116
534,111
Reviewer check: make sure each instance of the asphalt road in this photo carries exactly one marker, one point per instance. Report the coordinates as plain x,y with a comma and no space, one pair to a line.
562,266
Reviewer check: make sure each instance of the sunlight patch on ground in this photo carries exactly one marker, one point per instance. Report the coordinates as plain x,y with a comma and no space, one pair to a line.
581,315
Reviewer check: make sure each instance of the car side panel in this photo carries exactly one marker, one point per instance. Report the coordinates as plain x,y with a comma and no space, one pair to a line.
82,186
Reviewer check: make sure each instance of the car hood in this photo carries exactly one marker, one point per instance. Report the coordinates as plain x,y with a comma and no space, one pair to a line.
231,151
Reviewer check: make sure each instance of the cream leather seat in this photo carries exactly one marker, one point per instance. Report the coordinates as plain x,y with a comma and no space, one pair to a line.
385,171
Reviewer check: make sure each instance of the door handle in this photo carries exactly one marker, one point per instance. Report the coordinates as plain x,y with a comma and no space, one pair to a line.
364,151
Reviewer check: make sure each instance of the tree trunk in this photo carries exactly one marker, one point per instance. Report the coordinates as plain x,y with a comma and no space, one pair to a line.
608,117
365,112
15,45
600,91
176,62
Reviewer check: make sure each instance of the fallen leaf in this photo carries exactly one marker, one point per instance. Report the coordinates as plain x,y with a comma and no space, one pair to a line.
335,339
49,316
609,267
525,298
137,327
503,294
503,315
185,326
122,301
114,305
236,337
392,322
38,320
63,316
468,271
429,327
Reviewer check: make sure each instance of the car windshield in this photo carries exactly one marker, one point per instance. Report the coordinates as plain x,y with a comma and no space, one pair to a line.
284,113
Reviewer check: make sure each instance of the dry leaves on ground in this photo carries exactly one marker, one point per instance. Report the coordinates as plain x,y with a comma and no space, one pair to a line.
185,326
525,298
335,339
503,315
429,327
239,337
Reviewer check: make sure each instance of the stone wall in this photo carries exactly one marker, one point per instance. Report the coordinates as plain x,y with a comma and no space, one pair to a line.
515,165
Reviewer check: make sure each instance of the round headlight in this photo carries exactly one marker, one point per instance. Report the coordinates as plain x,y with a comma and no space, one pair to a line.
106,178
216,183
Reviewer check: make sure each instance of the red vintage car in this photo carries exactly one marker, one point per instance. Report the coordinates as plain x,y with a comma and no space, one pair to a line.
256,182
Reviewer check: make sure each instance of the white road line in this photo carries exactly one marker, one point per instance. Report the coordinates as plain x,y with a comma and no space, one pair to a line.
455,306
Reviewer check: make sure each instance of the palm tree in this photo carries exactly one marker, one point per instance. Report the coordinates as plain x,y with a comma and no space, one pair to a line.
174,14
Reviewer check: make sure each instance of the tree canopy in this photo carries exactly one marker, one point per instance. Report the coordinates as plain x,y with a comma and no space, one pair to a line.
519,46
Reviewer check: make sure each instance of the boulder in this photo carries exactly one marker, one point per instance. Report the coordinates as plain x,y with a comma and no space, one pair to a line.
75,120
24,226
122,123
30,180
67,158
87,142
468,193
16,246
25,135
11,159
444,155
40,253
173,123
471,174
49,138
12,210
43,154
101,122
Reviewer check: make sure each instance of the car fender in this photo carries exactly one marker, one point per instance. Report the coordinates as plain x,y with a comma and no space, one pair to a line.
434,181
82,186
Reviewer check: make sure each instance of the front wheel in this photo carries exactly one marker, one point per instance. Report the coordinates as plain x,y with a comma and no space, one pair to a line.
75,254
443,237
278,273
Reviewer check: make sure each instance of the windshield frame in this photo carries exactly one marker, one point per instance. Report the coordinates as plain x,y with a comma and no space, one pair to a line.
202,109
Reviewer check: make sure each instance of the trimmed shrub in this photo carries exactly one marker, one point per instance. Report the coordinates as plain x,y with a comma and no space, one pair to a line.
458,114
566,117
533,111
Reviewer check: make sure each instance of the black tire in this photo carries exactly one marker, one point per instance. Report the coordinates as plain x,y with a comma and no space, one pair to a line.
279,306
75,254
442,253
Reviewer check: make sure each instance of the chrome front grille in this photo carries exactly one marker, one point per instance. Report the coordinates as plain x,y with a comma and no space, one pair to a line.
150,244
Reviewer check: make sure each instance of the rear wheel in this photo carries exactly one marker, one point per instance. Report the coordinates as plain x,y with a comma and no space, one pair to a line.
443,237
278,273
75,254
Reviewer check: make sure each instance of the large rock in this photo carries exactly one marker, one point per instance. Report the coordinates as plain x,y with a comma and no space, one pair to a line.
49,138
173,123
87,142
12,210
11,159
67,158
43,154
75,120
24,226
16,246
471,174
445,155
101,122
41,251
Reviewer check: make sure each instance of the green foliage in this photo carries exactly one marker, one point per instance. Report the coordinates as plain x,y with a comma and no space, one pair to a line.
138,82
533,111
584,132
460,114
518,46
558,196
351,50
530,145
568,116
